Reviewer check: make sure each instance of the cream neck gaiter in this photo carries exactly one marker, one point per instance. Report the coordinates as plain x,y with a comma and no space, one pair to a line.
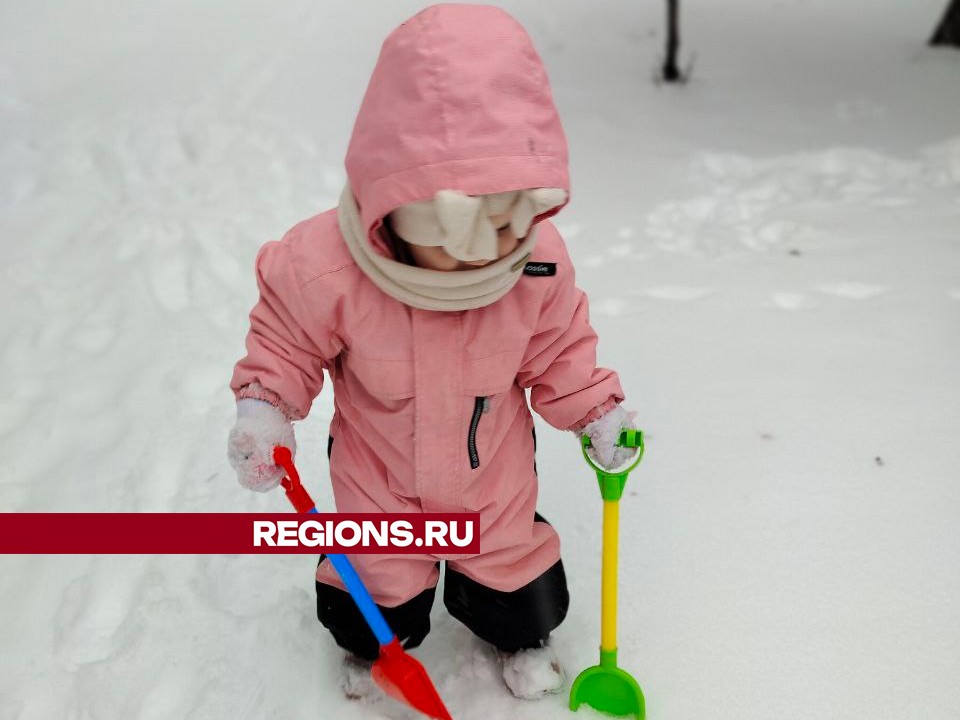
424,288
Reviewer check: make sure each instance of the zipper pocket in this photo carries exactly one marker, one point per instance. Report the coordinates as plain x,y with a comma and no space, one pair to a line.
481,405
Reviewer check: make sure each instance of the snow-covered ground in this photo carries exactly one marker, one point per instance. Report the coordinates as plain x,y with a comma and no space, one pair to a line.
773,257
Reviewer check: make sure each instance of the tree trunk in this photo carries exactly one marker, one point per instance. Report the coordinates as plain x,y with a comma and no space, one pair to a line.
948,32
670,71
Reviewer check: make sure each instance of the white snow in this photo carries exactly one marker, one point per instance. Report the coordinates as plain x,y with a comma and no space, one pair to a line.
533,674
773,256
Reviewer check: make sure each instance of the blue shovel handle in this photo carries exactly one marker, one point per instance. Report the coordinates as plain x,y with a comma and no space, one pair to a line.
341,563
358,591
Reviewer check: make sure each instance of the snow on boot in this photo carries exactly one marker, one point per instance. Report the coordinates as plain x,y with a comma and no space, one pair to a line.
532,674
355,679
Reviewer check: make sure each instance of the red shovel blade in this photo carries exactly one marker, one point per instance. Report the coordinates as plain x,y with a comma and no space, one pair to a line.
402,677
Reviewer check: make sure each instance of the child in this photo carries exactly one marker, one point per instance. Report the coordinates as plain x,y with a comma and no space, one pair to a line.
434,295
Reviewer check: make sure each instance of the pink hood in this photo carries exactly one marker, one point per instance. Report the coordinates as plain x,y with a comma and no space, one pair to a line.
458,100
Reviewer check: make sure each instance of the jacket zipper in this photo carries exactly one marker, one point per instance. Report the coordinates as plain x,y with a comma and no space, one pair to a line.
481,404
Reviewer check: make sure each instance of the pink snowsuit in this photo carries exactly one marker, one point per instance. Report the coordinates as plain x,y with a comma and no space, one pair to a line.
430,407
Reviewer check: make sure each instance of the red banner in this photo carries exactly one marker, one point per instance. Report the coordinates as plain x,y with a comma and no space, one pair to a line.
239,533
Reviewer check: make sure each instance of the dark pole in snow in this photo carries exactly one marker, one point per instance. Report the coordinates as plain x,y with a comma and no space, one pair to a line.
948,32
670,71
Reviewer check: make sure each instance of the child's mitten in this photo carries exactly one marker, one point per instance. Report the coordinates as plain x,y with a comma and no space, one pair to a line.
260,427
604,433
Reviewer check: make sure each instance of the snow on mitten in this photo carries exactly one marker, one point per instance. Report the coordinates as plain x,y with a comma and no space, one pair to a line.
260,427
604,433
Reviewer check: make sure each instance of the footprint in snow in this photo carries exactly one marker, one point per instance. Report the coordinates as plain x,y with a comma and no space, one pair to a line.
853,290
892,202
95,607
168,282
173,692
675,293
792,301
94,334
620,250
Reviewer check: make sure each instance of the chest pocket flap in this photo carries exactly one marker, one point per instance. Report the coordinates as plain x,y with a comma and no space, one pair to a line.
492,374
391,379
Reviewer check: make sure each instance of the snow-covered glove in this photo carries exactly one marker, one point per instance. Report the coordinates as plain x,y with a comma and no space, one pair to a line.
604,433
260,427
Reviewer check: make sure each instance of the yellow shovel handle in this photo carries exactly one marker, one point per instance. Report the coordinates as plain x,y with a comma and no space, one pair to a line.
608,576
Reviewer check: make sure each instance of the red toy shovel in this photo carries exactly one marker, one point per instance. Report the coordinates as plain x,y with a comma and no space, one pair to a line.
399,675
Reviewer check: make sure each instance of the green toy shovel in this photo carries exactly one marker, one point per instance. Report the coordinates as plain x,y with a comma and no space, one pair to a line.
606,687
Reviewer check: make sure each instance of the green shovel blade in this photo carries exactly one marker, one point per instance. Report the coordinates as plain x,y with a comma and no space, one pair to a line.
608,689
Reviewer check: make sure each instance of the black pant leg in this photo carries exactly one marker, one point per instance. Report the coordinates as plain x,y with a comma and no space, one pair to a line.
510,621
340,615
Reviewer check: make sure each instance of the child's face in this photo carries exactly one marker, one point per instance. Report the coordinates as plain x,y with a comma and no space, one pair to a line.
436,258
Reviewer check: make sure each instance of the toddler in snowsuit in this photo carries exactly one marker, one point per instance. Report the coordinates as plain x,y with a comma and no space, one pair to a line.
434,294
